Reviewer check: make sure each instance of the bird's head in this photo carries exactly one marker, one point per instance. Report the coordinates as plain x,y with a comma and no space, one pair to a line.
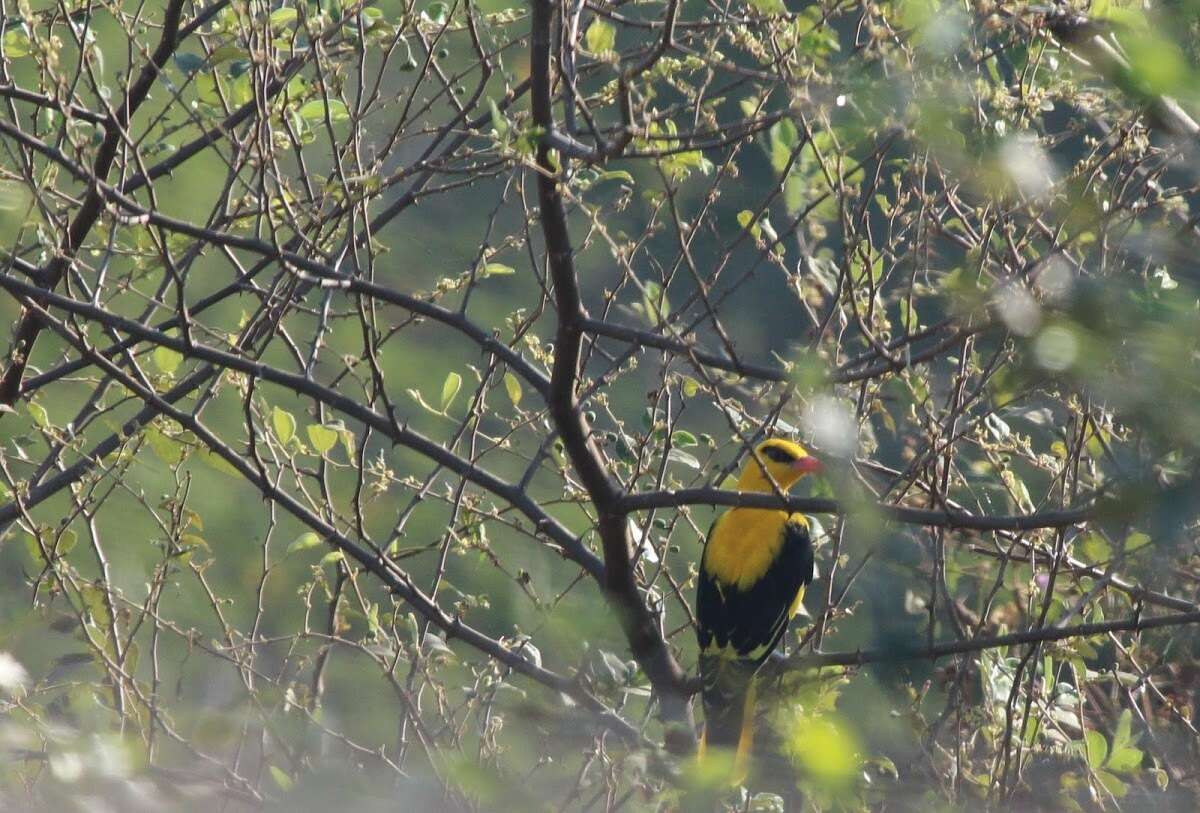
785,461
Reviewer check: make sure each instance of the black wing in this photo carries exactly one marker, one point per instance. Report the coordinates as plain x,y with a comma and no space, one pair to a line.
750,622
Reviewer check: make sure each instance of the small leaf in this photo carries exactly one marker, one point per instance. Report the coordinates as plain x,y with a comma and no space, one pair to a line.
1096,549
601,37
284,424
39,414
614,175
283,17
499,122
684,438
680,456
1136,541
314,111
331,557
321,437
450,388
349,442
436,13
1113,785
166,359
1096,748
770,7
497,270
165,448
654,303
690,387
281,778
745,219
513,386
1124,759
304,541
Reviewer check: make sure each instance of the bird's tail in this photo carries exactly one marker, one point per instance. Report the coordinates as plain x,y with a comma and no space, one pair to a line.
729,701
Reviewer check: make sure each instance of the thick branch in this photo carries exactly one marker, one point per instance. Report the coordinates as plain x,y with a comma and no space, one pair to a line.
641,627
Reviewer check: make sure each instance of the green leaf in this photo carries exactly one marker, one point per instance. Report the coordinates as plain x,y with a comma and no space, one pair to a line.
16,44
349,443
450,388
1095,748
1136,541
513,387
166,359
770,7
1095,548
680,456
284,424
323,438
499,122
655,303
436,13
601,37
615,175
225,53
67,541
331,557
305,541
1122,734
314,111
783,137
683,438
745,219
283,17
39,414
690,387
165,448
1113,785
497,270
281,778
1125,759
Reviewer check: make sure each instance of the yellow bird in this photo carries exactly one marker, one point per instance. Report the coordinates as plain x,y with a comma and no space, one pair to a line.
755,566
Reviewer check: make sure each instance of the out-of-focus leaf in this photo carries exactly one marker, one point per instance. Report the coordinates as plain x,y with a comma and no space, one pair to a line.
304,541
450,388
314,111
284,425
600,37
1095,748
166,359
322,438
512,386
680,456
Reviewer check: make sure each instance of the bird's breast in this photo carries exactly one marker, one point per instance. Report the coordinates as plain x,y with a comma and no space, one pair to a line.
743,544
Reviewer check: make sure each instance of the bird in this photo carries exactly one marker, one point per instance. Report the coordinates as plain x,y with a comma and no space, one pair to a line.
753,571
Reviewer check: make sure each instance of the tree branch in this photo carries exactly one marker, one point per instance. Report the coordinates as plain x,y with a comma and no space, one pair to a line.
860,657
649,500
641,627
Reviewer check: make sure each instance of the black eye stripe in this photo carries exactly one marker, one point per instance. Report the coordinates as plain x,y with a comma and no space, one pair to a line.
778,455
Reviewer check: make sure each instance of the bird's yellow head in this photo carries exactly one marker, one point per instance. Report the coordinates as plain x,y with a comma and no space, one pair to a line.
786,462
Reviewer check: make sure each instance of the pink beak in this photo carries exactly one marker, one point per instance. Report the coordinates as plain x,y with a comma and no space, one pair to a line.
807,465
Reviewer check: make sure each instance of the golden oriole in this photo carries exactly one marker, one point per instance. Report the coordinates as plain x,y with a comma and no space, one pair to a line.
755,566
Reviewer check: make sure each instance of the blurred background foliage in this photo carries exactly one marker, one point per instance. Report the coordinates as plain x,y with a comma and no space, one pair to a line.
950,245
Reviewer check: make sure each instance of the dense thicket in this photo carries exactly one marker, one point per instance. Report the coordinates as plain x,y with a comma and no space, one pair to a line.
377,368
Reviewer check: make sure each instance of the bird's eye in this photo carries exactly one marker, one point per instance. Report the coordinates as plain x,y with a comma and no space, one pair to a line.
777,454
